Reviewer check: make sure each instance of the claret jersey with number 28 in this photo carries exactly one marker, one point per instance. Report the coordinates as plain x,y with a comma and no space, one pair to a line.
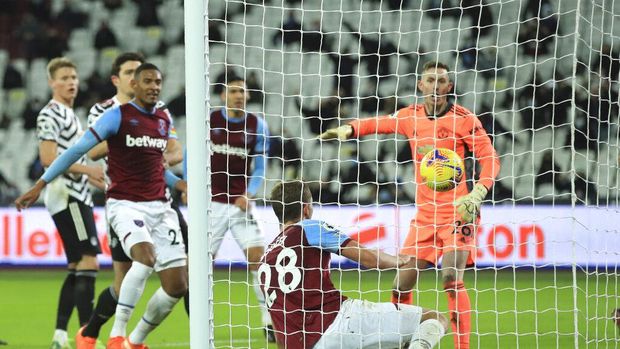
295,278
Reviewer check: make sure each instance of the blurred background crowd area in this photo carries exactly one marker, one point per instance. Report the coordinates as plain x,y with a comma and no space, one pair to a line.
545,88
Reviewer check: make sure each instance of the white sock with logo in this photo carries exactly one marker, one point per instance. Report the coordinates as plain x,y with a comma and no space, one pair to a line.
261,298
130,293
428,335
61,337
159,306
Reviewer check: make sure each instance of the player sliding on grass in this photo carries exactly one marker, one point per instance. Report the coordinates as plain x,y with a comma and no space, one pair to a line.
137,208
307,310
446,222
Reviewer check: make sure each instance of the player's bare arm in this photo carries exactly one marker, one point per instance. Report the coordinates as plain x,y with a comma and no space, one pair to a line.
100,151
243,202
372,258
181,186
173,154
29,197
48,153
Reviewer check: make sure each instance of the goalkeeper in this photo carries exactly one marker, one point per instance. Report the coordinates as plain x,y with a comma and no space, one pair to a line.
446,222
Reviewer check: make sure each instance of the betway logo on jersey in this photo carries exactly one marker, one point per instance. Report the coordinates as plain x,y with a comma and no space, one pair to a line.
228,150
146,142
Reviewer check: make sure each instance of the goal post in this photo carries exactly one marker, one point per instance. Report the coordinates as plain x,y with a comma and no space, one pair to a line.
198,172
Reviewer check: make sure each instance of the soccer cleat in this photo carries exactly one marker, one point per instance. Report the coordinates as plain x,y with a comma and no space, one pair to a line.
615,316
270,334
127,345
420,344
116,343
60,340
83,342
58,345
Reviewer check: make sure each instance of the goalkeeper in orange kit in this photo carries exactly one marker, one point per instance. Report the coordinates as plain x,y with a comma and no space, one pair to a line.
446,222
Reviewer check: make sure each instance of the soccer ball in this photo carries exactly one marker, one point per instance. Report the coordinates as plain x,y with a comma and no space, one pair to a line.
442,169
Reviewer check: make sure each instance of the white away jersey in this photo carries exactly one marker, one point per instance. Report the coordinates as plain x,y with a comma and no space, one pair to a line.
58,123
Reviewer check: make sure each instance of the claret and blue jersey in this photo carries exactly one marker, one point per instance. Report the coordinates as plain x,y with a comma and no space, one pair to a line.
136,141
295,277
238,161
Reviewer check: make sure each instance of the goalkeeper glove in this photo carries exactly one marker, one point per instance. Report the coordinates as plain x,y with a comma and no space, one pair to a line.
468,206
341,133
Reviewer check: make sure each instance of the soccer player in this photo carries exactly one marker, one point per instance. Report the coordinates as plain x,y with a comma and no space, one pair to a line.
137,208
445,222
239,141
307,310
68,198
123,69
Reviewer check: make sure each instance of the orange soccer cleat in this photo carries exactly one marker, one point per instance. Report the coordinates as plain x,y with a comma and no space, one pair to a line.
83,342
127,345
116,343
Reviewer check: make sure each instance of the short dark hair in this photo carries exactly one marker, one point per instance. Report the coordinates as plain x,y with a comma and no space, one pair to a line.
125,57
225,79
435,65
145,66
287,199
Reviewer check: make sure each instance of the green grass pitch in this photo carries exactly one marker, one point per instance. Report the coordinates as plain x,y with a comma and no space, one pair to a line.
523,309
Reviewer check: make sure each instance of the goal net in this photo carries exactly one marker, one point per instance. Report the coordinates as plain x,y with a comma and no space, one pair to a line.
542,77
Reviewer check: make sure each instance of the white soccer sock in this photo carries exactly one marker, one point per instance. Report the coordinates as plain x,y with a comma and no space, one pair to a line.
428,335
261,298
159,306
130,292
61,337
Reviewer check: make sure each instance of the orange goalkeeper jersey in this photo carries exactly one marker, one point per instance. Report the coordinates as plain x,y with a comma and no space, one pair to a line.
454,129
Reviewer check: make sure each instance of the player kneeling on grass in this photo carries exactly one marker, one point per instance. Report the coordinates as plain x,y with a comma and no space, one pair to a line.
307,310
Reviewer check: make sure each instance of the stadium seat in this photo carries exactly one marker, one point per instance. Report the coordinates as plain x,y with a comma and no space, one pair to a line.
16,102
106,58
545,192
254,58
132,39
172,17
4,60
292,62
21,65
86,60
97,13
151,39
3,102
160,62
37,78
542,139
175,55
81,39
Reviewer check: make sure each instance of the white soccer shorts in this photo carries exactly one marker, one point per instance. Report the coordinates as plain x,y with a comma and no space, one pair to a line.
152,221
242,225
363,324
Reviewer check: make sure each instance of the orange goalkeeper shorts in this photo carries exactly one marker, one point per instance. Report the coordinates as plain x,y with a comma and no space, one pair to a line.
432,235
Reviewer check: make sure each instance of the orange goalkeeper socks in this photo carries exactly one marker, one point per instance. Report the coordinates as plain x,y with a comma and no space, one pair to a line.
460,312
402,297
